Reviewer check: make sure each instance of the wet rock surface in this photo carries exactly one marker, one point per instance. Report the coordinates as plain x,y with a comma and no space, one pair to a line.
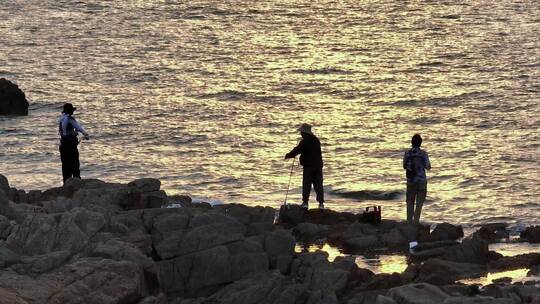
97,242
12,99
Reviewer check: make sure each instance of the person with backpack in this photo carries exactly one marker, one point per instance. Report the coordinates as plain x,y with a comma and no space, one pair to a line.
69,128
309,149
415,163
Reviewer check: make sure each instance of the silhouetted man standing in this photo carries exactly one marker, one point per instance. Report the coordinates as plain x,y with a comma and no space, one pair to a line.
68,129
415,162
309,149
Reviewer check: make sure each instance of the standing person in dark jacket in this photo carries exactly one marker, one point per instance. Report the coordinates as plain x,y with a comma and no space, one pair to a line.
415,163
309,149
68,128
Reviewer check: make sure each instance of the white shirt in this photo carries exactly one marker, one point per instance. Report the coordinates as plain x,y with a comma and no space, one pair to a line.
68,126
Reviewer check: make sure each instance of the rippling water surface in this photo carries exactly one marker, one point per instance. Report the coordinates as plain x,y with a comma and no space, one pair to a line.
206,95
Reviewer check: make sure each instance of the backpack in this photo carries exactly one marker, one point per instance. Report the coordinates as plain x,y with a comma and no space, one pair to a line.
415,163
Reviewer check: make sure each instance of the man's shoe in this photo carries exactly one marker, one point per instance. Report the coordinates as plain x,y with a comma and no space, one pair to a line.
304,205
321,206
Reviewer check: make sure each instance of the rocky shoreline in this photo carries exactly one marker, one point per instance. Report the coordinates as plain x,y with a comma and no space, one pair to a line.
96,242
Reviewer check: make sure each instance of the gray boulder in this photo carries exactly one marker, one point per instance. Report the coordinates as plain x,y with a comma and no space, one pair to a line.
309,231
204,231
8,257
362,242
6,209
9,297
198,271
145,185
4,184
44,233
314,270
471,250
417,294
99,281
443,272
446,232
12,99
394,239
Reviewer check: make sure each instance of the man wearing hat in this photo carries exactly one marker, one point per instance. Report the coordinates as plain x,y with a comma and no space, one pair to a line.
309,149
68,129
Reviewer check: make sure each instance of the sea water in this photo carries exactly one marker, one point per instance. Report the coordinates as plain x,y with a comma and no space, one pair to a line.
206,96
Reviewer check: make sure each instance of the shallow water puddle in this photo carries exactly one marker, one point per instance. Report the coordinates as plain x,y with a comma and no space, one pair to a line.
383,263
376,263
517,275
513,249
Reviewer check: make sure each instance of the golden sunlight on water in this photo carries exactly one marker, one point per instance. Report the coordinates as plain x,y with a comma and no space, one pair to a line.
332,252
383,263
206,96
516,275
375,263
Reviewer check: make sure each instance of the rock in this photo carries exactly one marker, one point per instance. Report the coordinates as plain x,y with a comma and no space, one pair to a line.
4,185
383,281
322,297
44,233
417,294
442,272
309,231
9,297
384,300
183,200
478,300
201,270
360,230
394,239
155,199
531,234
5,227
88,280
260,228
471,250
100,281
458,290
247,215
535,271
361,243
279,243
314,270
526,293
12,99
8,257
526,260
6,209
259,289
203,232
294,215
39,264
145,185
424,251
493,232
446,232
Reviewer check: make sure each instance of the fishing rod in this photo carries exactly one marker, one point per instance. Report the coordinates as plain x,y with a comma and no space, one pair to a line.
289,185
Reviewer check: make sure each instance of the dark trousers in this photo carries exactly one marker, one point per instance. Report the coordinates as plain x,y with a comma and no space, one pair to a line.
312,176
416,195
69,154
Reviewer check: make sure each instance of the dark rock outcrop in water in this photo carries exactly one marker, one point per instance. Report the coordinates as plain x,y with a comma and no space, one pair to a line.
96,242
12,99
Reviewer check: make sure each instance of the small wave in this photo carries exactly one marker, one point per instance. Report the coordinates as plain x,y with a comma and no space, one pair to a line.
323,71
364,195
225,95
451,17
434,63
405,103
